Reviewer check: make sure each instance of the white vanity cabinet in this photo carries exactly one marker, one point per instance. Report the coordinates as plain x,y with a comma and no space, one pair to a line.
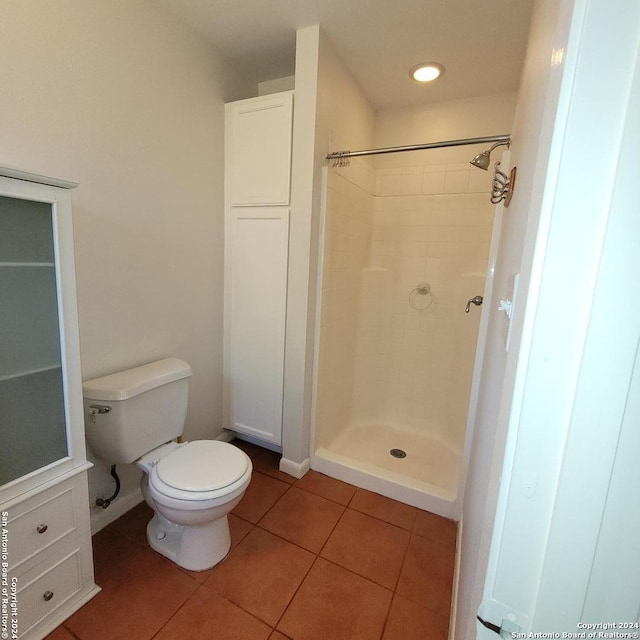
257,199
47,565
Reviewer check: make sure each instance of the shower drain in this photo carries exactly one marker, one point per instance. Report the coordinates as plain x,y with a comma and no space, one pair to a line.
398,453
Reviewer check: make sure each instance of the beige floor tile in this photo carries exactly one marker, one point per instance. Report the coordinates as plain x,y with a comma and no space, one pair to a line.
303,518
60,633
368,547
140,592
337,604
427,574
261,494
409,621
327,487
437,528
373,504
261,574
207,615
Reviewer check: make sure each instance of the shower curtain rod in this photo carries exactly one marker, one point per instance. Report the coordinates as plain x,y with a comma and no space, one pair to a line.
338,155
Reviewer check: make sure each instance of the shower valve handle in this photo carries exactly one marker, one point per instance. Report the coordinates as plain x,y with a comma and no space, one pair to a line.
477,300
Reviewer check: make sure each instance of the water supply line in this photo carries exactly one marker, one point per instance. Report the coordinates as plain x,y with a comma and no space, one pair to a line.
104,503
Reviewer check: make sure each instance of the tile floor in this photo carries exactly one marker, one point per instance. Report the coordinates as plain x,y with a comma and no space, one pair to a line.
311,559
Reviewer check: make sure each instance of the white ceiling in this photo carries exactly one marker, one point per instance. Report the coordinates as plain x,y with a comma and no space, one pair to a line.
481,43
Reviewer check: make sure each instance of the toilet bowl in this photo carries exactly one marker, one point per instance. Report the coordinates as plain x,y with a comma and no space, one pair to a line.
192,487
131,417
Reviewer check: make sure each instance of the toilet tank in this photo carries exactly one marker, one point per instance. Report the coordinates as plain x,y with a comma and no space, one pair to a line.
130,413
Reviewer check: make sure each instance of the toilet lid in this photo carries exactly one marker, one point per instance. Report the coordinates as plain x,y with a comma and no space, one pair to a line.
202,465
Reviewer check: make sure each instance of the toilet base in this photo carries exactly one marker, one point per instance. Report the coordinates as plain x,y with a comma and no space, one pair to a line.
194,547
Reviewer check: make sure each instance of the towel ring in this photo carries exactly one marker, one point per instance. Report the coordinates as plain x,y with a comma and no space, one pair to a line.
421,289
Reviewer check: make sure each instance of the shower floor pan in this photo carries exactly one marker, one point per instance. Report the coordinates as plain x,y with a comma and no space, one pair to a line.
426,477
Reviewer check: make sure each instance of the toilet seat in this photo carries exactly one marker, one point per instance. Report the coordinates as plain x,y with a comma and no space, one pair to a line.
201,470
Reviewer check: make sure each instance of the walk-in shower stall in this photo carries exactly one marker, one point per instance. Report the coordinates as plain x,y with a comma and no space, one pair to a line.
403,262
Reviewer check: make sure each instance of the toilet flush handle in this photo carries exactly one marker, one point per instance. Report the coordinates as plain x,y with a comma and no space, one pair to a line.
99,408
95,409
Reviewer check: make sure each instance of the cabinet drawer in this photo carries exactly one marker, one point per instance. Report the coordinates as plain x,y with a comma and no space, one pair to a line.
38,522
46,588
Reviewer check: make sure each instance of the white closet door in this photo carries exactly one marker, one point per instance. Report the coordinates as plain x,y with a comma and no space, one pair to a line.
257,299
259,149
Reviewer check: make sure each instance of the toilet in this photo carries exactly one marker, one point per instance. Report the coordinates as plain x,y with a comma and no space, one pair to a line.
135,416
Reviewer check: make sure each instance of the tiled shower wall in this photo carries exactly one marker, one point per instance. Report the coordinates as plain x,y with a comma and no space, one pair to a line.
411,368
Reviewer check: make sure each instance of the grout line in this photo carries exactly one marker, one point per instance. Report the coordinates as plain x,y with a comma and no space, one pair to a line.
266,513
392,524
335,564
344,510
320,495
69,631
235,604
175,613
360,575
395,587
275,627
296,544
404,560
386,620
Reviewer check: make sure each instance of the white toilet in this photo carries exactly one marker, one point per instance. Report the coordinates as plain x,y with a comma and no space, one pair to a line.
133,416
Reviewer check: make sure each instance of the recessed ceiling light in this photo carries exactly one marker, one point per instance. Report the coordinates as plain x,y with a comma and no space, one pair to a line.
426,71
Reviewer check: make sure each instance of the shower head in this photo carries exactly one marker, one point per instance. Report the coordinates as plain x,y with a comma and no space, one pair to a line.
482,159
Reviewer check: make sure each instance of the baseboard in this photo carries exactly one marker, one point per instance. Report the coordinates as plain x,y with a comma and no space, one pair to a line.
226,436
259,443
295,469
368,477
456,582
100,517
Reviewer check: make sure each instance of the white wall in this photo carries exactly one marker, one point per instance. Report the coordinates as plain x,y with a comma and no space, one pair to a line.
124,99
345,116
575,397
512,253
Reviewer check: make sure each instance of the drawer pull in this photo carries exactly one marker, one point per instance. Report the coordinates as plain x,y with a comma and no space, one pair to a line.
47,595
41,528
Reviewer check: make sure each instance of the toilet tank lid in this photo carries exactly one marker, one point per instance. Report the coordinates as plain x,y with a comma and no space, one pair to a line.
127,384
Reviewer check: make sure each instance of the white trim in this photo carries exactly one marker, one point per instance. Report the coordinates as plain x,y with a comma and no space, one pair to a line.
456,581
318,314
295,469
554,473
481,346
257,441
21,174
374,479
